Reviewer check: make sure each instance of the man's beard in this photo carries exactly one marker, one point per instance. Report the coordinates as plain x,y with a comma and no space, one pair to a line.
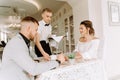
32,39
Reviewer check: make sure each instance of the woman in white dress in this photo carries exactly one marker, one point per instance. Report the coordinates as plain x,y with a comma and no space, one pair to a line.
88,44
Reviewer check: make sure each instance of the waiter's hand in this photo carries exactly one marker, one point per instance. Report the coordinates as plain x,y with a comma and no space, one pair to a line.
46,56
61,58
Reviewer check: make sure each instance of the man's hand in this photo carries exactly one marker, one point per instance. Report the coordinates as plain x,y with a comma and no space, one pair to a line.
61,58
46,56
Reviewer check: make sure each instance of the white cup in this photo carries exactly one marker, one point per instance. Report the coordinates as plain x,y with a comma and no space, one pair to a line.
53,57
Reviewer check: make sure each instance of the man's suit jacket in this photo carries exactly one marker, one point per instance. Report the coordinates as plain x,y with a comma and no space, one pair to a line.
16,61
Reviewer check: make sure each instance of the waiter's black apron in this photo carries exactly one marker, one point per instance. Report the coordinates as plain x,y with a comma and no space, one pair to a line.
45,47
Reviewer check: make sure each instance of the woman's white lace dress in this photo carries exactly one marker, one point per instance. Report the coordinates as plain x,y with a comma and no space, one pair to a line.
88,49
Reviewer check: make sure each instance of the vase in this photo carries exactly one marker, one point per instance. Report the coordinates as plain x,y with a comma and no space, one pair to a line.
71,61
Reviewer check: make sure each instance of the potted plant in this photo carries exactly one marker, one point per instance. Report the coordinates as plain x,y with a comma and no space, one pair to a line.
71,58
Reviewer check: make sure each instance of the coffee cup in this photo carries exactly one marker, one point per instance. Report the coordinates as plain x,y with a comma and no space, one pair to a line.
53,57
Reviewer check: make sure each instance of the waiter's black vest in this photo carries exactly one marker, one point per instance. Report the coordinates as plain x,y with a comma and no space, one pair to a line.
46,48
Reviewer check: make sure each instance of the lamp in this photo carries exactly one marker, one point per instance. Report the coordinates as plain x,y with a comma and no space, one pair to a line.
14,20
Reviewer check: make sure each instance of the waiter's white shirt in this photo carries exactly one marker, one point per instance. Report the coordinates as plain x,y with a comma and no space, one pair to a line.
16,61
44,31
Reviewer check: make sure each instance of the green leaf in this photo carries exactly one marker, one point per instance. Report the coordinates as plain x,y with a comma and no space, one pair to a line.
71,56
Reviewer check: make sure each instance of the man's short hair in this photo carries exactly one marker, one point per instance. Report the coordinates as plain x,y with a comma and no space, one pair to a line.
29,19
46,9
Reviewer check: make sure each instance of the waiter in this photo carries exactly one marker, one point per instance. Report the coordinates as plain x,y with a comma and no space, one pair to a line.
42,47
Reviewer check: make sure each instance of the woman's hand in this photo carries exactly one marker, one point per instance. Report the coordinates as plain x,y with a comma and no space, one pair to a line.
78,55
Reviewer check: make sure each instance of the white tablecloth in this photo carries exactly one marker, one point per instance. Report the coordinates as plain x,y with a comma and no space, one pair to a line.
90,70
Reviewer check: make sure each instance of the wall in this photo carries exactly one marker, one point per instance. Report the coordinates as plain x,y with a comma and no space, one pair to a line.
95,16
112,43
95,13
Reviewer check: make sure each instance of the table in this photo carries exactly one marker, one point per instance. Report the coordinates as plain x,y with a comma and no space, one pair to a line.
87,70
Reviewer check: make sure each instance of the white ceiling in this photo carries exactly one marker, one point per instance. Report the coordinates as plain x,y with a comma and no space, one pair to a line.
23,8
15,6
26,7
